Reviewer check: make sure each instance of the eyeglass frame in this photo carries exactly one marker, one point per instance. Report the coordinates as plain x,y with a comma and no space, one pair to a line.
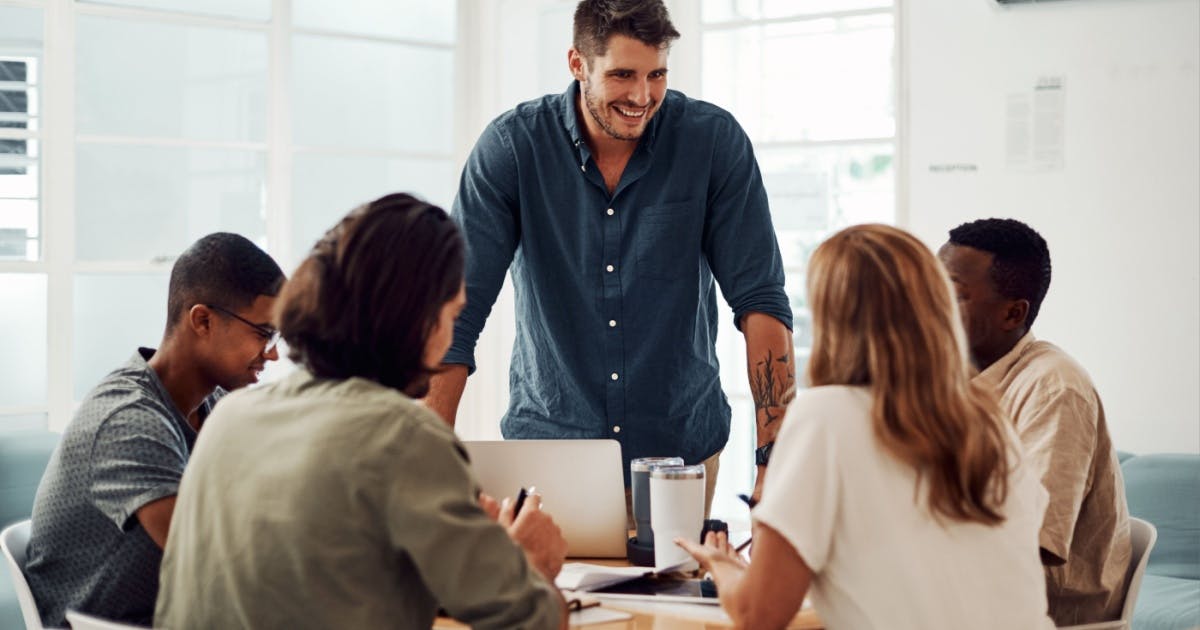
271,333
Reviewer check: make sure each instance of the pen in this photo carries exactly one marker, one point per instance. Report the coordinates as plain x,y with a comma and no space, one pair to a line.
521,495
746,498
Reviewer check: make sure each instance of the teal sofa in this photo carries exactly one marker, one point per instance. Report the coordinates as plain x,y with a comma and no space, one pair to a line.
1164,489
23,458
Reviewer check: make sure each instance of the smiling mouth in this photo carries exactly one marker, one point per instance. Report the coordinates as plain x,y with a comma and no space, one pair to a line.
631,113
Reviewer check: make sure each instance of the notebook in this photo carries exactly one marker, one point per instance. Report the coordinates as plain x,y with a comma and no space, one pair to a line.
580,482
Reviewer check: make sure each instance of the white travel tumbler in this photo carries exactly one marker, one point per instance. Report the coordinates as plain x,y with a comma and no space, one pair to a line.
676,511
639,475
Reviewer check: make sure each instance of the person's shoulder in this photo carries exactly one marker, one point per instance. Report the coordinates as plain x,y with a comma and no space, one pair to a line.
835,409
396,419
833,398
539,111
1050,368
126,398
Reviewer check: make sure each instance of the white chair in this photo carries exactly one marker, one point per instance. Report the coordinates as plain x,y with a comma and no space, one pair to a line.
80,621
13,541
1141,538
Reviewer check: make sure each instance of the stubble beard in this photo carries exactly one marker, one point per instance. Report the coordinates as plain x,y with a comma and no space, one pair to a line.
595,108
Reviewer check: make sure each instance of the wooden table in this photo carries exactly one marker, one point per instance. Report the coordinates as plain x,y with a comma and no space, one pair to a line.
665,616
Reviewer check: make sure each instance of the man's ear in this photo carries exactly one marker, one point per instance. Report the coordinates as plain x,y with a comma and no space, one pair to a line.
1015,315
576,64
199,320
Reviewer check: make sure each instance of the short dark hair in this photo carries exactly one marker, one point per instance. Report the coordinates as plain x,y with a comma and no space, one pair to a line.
1020,258
221,268
644,20
366,298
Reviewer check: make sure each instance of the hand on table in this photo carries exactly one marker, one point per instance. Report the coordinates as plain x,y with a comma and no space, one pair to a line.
537,534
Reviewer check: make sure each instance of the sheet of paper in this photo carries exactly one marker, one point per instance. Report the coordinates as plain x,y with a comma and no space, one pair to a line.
1035,126
581,576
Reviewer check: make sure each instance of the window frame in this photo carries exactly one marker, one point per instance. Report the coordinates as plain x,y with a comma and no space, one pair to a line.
58,140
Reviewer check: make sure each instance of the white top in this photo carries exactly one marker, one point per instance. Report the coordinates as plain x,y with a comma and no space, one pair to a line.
878,556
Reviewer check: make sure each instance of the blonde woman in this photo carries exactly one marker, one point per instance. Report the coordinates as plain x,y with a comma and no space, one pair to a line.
895,489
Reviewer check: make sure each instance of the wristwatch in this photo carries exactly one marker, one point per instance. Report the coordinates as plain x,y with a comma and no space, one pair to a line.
762,454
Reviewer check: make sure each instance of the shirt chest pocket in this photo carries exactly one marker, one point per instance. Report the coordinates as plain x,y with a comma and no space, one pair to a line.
666,240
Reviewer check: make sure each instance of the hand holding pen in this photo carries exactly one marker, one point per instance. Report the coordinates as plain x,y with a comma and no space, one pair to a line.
535,532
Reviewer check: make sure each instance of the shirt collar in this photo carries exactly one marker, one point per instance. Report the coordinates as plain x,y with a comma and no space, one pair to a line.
141,359
994,374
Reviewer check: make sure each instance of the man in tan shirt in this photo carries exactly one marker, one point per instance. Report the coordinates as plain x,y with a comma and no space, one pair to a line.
1001,271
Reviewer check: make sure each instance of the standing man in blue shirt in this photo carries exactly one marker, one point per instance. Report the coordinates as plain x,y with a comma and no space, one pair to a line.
616,204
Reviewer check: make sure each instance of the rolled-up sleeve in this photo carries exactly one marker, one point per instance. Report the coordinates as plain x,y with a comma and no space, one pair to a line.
468,562
486,211
739,238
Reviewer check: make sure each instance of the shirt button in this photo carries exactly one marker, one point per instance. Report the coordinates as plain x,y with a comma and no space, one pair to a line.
616,429
612,323
610,212
583,167
609,268
614,376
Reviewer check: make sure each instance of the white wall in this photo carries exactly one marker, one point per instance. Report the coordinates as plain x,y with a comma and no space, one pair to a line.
1121,213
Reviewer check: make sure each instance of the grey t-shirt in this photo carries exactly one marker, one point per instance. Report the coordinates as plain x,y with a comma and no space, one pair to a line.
126,446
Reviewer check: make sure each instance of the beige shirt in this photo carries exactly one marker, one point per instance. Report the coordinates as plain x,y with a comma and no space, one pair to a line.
338,504
1060,420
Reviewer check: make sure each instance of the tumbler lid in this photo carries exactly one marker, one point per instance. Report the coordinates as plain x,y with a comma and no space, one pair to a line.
644,464
678,472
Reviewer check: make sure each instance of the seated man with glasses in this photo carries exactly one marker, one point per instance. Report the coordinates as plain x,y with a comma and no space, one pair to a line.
103,507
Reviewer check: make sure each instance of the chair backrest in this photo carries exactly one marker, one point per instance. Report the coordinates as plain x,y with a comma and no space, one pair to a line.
80,621
13,541
1142,536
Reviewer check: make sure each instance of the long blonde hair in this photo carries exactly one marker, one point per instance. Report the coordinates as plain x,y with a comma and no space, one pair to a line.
883,316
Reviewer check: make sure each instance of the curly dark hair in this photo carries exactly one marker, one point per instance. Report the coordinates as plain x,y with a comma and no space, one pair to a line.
644,20
1021,260
222,268
365,300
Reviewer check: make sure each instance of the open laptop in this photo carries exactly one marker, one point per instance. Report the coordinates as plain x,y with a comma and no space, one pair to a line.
580,481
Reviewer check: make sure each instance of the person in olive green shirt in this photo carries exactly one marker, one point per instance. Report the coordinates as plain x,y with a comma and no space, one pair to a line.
333,498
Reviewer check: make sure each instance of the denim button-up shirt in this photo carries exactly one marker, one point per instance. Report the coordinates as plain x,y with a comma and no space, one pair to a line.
615,301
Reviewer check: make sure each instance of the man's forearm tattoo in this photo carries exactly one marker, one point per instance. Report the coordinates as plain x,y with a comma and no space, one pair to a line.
772,382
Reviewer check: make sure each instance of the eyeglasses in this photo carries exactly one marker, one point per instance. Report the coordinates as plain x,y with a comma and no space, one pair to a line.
269,334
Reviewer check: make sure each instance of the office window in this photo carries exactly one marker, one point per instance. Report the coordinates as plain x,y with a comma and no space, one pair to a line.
200,84
20,108
114,314
812,83
24,348
245,9
370,116
178,118
22,343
